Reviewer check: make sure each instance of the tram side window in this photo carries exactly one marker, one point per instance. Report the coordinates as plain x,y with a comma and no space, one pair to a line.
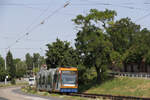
49,80
58,80
55,78
43,80
40,80
46,81
37,81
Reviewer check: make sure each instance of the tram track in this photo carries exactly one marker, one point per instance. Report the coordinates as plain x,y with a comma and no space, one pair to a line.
104,96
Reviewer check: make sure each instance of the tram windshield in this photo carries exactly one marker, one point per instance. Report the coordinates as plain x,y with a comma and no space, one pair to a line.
69,78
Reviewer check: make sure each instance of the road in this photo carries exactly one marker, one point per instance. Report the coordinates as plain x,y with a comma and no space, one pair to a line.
13,93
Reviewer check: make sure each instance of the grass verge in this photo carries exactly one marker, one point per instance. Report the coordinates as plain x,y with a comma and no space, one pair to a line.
122,86
17,84
32,90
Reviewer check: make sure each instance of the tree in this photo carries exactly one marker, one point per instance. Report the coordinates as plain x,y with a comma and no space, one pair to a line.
16,61
3,72
29,61
21,69
10,65
123,34
42,61
59,54
2,63
36,59
92,42
139,52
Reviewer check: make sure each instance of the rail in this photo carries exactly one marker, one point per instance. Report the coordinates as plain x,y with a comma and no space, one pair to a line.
111,97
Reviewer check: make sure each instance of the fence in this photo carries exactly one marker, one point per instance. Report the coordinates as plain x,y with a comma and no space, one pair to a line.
135,75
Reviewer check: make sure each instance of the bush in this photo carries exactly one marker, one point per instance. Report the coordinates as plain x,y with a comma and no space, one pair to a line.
13,81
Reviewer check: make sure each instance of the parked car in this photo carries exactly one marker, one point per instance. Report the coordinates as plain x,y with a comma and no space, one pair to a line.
32,81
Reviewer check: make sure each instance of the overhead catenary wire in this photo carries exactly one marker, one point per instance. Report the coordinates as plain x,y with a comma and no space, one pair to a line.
141,18
109,4
41,23
47,17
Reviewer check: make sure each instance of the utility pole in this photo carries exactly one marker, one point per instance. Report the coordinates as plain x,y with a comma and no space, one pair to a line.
6,67
38,64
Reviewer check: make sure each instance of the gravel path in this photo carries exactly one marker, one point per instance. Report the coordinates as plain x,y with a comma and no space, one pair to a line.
14,93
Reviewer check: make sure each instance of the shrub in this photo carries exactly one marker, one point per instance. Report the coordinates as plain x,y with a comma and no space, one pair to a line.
13,81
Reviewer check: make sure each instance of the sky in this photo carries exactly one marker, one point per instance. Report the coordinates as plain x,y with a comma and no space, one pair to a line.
26,26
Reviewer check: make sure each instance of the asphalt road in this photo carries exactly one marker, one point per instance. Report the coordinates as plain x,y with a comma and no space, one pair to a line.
3,98
14,93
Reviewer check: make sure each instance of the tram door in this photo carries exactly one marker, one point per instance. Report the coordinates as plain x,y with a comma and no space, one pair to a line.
56,81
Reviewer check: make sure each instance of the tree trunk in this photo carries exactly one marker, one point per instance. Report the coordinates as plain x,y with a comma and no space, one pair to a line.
98,74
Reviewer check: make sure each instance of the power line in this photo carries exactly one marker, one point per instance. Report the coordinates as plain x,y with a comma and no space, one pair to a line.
141,18
41,23
22,4
110,4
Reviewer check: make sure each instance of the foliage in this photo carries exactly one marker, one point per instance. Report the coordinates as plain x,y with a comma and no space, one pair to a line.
36,58
16,61
2,63
13,81
29,61
3,72
92,43
21,69
60,53
122,34
41,61
122,86
10,65
35,69
84,74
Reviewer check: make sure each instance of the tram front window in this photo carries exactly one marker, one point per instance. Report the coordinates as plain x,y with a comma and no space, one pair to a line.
69,78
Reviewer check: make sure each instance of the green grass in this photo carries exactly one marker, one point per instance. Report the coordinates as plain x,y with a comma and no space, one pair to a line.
32,90
123,86
17,84
115,86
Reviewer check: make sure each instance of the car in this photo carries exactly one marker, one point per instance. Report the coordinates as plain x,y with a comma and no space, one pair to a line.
31,81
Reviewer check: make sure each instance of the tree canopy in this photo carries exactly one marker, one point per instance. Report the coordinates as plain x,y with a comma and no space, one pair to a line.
92,43
10,65
60,54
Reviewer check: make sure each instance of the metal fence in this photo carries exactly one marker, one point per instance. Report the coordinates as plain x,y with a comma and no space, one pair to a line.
135,75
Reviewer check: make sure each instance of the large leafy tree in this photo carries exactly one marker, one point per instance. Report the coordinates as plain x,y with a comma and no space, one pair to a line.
10,65
123,34
139,52
92,42
131,42
59,54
